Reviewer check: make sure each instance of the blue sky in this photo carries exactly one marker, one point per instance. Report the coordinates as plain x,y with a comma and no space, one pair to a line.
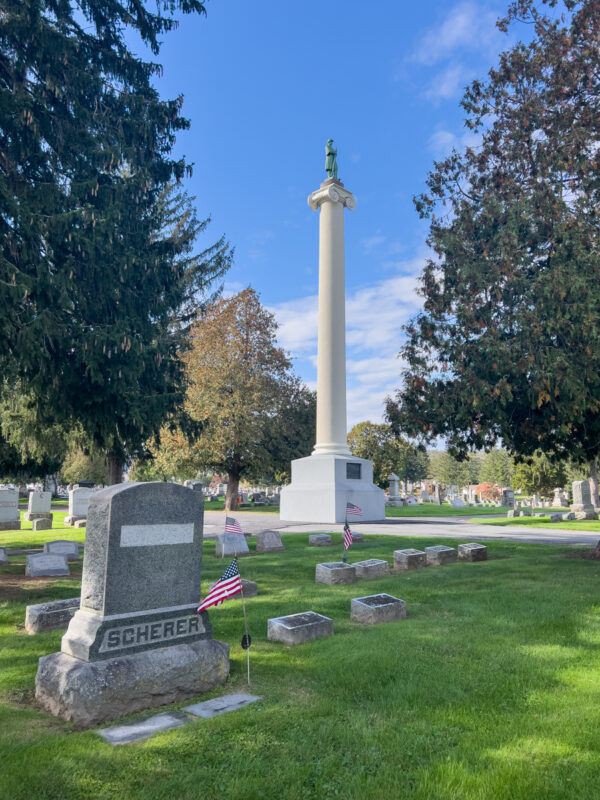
265,84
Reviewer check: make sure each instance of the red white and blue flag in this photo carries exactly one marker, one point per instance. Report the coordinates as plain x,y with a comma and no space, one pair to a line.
352,509
347,536
233,526
229,583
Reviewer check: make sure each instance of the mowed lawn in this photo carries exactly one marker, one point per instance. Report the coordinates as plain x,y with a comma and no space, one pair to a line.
544,522
422,510
489,689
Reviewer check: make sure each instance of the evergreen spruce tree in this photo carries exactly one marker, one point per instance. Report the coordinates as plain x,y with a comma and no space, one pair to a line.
95,282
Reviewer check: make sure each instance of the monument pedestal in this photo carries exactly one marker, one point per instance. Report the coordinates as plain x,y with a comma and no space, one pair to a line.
323,483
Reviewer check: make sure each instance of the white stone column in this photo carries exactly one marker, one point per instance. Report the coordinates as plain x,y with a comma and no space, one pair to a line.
330,200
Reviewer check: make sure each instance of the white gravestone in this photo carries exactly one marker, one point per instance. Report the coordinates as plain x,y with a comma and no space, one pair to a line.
10,518
46,564
78,505
63,547
582,498
39,506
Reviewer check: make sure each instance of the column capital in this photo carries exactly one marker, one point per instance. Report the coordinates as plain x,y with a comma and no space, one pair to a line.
332,191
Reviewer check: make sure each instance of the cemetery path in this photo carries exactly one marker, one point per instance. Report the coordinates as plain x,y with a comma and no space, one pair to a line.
425,527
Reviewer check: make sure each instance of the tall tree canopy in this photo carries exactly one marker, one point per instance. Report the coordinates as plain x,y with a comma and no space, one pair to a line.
95,280
254,414
507,347
388,453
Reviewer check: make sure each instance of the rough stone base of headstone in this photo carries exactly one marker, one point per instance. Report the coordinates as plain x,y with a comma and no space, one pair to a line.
568,517
440,554
526,512
30,516
299,628
513,513
70,521
42,524
372,568
269,542
11,526
556,517
50,616
377,608
320,540
586,515
409,559
80,523
472,552
89,692
335,572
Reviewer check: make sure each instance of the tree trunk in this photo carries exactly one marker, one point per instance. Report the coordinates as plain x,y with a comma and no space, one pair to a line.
231,497
115,468
594,482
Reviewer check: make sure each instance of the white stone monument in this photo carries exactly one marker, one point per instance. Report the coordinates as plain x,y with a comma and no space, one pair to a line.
78,505
10,518
325,481
39,506
394,496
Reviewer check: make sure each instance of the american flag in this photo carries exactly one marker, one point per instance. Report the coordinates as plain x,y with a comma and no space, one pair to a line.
233,526
228,584
352,509
347,536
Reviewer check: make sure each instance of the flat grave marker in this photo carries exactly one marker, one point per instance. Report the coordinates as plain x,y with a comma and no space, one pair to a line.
409,559
334,573
41,565
472,551
299,628
440,554
377,608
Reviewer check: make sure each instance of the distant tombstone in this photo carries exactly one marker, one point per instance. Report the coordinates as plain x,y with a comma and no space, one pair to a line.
10,517
268,542
43,524
508,498
424,496
335,573
320,540
394,498
50,616
137,640
411,500
437,495
299,628
3,556
78,505
39,506
357,537
40,565
229,545
472,552
409,559
559,500
64,547
535,501
440,554
377,608
371,568
458,503
582,498
195,486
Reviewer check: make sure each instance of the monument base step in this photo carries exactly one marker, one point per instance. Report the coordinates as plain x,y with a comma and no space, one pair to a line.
89,692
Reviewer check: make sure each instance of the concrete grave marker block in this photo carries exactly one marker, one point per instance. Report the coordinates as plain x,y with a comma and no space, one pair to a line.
50,616
42,524
63,546
137,731
137,640
299,628
569,516
582,498
269,542
526,512
371,568
221,705
228,545
472,552
10,517
440,554
357,537
409,559
41,565
335,572
320,540
39,506
377,608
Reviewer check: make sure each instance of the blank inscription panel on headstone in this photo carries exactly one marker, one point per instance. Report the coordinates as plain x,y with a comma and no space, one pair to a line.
353,471
143,548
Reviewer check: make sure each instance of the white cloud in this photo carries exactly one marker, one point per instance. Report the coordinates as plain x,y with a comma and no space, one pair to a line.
442,142
297,321
449,83
371,242
467,26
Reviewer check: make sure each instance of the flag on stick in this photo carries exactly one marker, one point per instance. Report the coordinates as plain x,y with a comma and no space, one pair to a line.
233,526
352,509
347,536
229,583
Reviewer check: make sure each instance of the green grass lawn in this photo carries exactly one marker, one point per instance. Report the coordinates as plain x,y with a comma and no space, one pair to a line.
431,510
544,522
489,689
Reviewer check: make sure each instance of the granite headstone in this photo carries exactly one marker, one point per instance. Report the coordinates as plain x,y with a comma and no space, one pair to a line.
10,518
